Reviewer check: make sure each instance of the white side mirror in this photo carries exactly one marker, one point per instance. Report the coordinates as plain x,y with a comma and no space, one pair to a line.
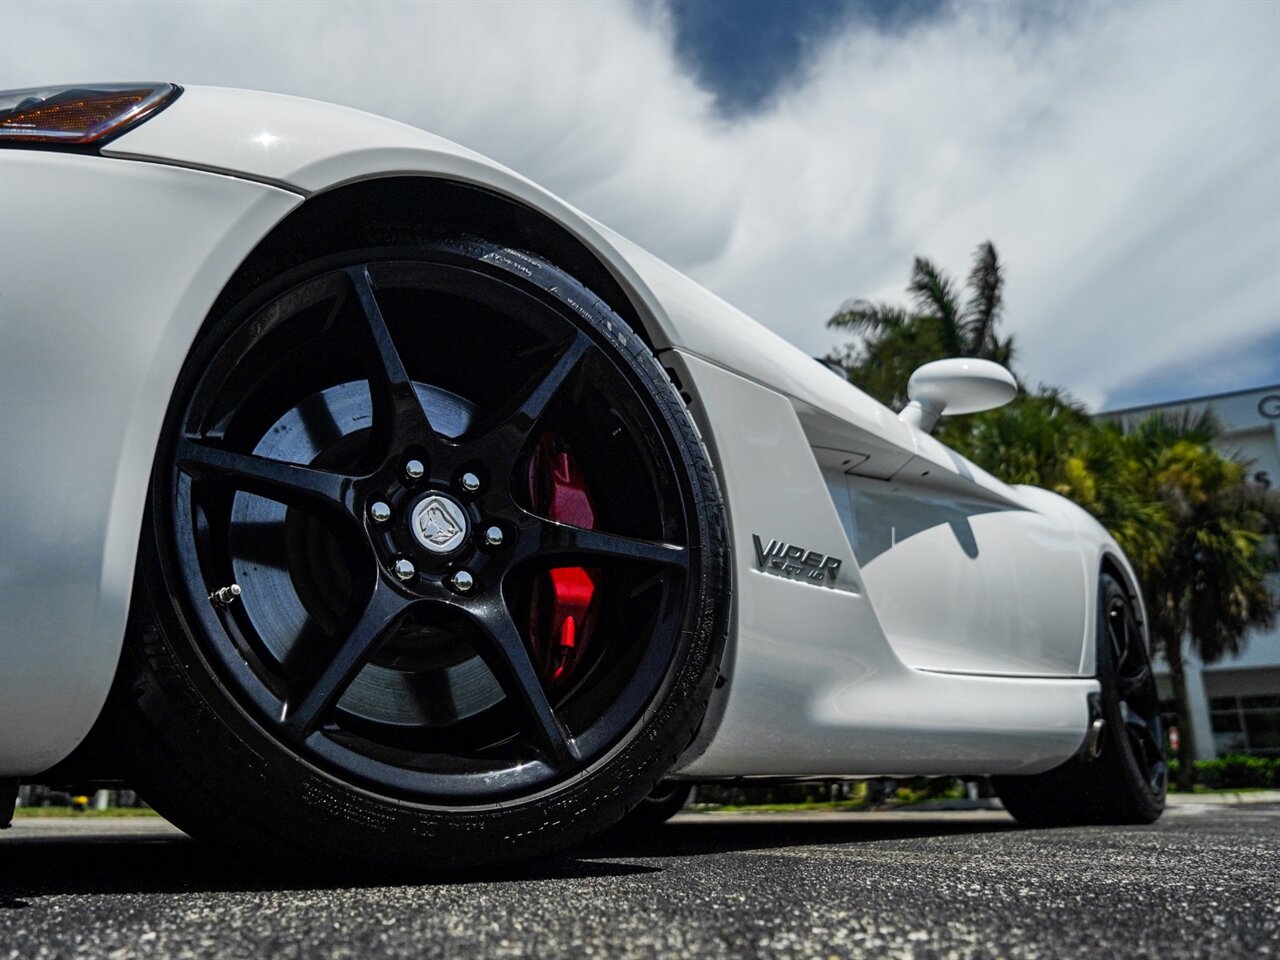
960,385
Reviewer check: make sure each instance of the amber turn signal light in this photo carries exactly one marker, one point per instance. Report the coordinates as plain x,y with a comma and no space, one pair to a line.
79,114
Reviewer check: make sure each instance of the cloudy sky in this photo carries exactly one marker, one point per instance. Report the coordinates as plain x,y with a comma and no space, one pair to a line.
1124,157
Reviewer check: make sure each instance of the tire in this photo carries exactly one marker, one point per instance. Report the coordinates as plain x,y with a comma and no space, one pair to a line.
668,799
480,558
1120,776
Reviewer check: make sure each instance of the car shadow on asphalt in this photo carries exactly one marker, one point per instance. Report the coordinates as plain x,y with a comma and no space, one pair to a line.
709,834
37,867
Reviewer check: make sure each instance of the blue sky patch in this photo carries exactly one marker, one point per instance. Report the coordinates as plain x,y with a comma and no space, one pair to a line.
1234,365
742,50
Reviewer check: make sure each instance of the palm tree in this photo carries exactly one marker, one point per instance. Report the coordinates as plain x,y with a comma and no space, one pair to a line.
1038,438
1209,586
896,340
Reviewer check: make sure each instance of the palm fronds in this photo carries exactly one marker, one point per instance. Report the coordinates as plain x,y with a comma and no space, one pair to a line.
865,316
986,303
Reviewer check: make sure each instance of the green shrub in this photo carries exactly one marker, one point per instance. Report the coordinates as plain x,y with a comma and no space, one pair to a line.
1238,770
1233,772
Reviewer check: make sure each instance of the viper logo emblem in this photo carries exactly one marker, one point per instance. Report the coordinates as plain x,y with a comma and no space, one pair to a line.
436,526
439,524
787,560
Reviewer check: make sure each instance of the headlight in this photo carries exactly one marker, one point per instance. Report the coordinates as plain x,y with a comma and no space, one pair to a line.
78,115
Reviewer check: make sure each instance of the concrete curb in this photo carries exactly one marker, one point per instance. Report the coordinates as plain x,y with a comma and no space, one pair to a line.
1226,799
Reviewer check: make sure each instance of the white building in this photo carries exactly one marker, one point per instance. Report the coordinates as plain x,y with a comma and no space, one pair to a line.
1235,703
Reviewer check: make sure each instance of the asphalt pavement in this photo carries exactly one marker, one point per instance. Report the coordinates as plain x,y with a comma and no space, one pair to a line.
1203,882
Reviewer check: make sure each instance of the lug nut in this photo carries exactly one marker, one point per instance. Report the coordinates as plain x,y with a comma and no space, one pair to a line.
462,581
414,469
380,512
494,536
404,569
470,482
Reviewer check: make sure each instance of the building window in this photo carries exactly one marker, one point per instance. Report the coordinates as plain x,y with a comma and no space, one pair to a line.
1246,724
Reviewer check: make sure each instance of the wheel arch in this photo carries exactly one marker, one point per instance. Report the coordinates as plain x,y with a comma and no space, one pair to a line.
364,212
360,212
1115,564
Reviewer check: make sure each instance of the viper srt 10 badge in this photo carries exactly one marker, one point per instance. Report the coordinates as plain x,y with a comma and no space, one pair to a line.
788,560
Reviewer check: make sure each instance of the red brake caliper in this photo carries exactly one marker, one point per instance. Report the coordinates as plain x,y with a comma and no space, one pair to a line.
561,619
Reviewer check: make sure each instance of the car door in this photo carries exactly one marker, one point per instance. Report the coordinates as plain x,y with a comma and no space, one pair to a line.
966,574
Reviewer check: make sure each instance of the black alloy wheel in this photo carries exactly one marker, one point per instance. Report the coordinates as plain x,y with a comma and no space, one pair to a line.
1120,774
435,541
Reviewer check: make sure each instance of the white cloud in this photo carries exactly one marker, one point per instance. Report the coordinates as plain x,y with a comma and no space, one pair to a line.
1124,158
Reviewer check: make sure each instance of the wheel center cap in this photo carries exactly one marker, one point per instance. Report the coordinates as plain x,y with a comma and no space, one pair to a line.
439,523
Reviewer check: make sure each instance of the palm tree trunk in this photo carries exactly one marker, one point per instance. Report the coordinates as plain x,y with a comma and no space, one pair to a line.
1186,737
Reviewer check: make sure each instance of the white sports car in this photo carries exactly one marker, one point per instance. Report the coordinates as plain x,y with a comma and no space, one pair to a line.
363,499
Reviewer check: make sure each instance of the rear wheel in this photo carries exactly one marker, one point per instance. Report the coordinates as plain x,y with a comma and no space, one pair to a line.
433,570
1121,775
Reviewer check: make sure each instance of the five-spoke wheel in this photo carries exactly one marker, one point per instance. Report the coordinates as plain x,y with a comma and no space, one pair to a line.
471,547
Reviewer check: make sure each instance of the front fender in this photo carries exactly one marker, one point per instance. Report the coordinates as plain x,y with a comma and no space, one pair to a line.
314,147
107,268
